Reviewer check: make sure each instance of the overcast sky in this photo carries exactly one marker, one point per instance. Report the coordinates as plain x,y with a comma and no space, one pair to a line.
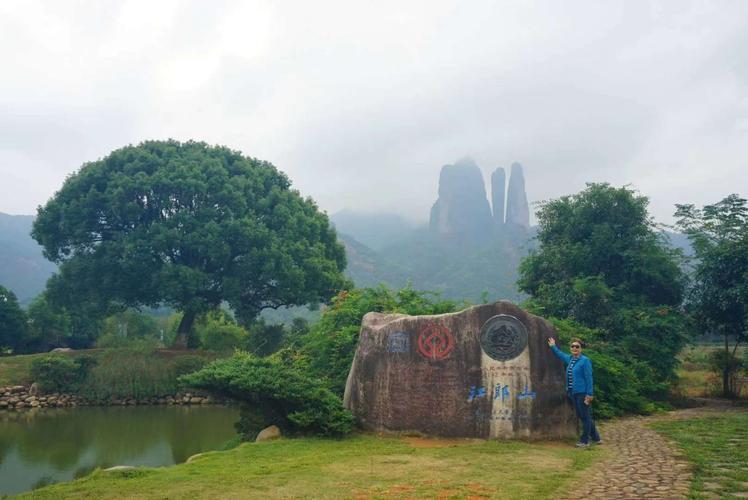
361,103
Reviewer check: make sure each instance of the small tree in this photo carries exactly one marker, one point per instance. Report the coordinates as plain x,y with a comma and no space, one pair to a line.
190,226
719,294
12,322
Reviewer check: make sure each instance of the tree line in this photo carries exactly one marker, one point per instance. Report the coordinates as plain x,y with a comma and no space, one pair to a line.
203,229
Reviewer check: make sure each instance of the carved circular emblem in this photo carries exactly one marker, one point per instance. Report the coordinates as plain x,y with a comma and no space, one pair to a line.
503,337
435,341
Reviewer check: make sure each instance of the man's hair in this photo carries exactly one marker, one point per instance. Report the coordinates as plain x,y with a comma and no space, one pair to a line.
577,340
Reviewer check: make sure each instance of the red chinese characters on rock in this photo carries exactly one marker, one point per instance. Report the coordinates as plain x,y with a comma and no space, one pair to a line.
435,341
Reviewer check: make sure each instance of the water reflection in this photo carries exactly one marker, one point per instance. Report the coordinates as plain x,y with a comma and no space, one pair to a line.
41,447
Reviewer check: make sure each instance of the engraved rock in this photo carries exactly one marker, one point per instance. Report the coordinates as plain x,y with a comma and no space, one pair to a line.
484,372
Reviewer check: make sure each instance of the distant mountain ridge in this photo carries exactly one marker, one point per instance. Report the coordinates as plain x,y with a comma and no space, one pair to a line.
23,268
469,250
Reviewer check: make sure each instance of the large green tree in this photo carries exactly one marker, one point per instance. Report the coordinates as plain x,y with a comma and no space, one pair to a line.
190,226
603,263
12,322
719,294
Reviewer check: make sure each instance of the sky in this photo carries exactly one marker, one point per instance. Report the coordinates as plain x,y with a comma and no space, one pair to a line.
362,103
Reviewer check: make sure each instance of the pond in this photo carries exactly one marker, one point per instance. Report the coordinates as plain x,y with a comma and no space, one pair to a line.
49,446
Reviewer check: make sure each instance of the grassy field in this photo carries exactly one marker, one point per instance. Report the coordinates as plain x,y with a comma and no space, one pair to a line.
718,449
696,378
361,466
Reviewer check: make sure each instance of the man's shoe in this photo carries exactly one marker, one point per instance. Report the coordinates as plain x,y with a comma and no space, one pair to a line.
599,441
582,445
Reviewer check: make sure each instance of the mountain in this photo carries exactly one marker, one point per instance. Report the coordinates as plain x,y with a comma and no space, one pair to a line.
23,268
375,231
369,268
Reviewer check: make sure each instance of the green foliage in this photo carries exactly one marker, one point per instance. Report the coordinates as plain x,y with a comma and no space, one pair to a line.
49,327
329,347
604,268
131,324
219,332
604,237
272,392
718,297
58,373
617,388
188,364
12,322
130,373
190,226
264,338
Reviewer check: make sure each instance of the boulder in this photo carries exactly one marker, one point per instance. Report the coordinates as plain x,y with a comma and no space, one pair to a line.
268,433
485,372
34,389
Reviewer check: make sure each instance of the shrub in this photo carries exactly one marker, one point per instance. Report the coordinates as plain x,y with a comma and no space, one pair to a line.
187,364
56,373
273,392
219,332
264,339
329,346
619,388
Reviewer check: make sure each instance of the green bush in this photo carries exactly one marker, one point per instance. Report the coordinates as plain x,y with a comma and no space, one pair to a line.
619,388
327,350
264,339
56,373
218,332
273,392
125,373
187,364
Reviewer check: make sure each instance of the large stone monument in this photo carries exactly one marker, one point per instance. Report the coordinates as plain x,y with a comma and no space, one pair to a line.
484,372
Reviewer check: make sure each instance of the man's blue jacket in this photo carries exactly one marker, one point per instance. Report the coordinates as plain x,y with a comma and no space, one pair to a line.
581,374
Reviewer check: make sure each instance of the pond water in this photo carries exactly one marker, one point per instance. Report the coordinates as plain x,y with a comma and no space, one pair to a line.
48,446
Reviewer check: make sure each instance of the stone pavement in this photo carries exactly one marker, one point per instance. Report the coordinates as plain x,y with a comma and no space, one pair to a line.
640,462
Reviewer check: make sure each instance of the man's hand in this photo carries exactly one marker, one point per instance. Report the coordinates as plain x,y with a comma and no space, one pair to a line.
588,400
551,341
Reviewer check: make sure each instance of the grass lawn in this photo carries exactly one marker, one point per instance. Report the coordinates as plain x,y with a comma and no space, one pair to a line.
718,449
14,370
361,466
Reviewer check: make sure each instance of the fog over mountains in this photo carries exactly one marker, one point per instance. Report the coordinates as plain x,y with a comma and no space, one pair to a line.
470,249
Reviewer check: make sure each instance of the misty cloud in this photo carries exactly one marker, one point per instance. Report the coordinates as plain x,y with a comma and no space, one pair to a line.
362,103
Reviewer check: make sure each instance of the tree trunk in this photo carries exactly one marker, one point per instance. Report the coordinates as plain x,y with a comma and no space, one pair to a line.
726,372
182,340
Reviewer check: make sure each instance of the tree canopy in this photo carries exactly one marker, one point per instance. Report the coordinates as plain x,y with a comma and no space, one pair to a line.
599,248
603,264
12,322
718,296
189,226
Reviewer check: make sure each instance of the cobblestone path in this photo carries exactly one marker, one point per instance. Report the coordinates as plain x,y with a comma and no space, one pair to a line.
640,462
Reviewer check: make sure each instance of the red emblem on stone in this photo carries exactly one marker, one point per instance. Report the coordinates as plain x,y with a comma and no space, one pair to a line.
435,341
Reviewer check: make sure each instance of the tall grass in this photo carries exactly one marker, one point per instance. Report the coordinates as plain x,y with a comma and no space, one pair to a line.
132,373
